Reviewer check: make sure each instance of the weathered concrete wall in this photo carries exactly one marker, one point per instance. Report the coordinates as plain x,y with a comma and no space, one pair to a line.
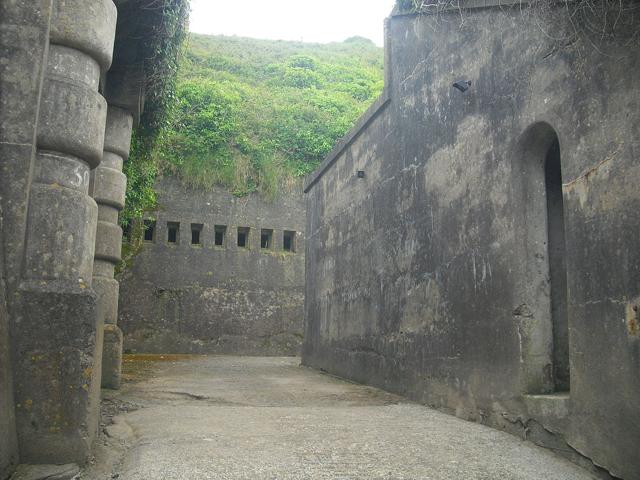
55,58
184,298
431,275
51,134
56,338
8,439
24,39
24,35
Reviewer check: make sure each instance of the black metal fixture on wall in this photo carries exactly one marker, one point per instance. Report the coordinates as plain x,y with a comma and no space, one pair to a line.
462,85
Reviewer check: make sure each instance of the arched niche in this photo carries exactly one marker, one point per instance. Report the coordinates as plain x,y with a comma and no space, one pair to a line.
542,311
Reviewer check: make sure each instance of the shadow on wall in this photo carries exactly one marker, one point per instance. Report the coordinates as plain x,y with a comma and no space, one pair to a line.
8,440
545,337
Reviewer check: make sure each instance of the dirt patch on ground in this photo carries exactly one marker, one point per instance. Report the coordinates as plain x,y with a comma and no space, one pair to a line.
139,367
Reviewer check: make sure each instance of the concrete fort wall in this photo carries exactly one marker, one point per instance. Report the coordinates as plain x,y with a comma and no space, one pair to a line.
480,220
53,123
19,60
71,88
8,439
184,294
21,72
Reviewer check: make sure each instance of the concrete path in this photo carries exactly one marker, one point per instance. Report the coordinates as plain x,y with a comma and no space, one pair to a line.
202,418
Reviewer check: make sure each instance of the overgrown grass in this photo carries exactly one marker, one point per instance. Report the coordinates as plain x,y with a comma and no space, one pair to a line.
252,114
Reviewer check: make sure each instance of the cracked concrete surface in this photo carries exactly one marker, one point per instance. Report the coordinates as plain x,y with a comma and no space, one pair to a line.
268,418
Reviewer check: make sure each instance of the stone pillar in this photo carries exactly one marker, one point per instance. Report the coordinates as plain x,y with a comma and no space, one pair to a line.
108,186
24,36
57,333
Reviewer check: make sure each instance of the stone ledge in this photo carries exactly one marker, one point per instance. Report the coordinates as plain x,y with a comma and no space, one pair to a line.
551,411
46,472
556,404
438,8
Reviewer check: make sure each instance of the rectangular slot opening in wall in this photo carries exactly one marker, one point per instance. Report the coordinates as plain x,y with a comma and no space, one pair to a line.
149,230
289,241
173,232
196,233
243,237
221,235
266,239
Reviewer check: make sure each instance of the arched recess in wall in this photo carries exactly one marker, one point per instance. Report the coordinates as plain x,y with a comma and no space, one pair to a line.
542,315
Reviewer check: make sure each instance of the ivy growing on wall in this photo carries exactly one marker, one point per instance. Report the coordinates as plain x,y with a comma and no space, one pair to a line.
250,115
157,29
595,21
160,26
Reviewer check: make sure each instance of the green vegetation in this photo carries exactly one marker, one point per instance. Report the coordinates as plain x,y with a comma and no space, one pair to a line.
254,114
251,115
163,26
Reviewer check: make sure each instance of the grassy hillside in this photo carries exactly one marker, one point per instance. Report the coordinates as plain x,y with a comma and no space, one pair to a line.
253,114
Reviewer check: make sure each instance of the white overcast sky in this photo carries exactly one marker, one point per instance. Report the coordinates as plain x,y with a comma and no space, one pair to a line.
320,21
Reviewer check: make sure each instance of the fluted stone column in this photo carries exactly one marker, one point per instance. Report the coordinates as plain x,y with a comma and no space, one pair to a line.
58,334
108,186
